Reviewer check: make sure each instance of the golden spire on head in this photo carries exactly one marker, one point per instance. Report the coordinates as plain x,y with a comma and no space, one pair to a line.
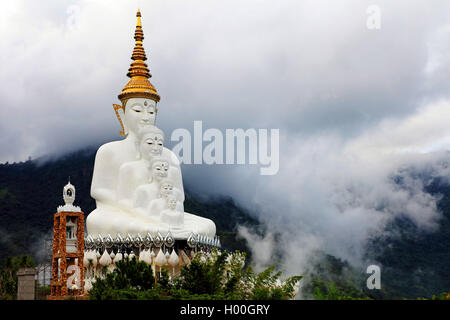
138,86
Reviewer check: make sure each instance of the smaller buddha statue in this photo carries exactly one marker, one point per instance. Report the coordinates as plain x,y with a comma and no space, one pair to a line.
145,193
132,174
171,216
156,206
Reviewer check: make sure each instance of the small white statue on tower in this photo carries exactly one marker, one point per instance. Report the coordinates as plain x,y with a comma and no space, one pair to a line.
69,198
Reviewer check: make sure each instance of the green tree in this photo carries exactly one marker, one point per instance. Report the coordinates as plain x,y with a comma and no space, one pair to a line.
128,279
213,276
325,290
8,275
203,277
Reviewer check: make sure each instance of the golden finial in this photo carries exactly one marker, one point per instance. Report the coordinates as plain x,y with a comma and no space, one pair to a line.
138,15
138,86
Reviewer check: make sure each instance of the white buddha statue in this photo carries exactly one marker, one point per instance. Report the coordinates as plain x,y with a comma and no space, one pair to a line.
145,193
133,174
115,212
171,216
156,206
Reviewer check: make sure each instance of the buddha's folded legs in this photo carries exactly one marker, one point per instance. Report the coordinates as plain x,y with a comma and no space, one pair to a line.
105,220
199,224
109,220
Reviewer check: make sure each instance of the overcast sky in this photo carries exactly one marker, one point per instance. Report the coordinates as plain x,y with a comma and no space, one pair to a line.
354,106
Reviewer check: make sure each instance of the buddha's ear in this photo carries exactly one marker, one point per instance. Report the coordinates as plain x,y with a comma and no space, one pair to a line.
120,114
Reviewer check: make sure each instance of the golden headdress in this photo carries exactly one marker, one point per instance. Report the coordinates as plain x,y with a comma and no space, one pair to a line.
138,86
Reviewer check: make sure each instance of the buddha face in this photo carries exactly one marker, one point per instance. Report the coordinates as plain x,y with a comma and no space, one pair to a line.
160,169
151,145
171,202
166,188
139,113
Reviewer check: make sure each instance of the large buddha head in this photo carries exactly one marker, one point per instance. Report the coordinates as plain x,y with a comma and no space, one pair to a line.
139,97
140,113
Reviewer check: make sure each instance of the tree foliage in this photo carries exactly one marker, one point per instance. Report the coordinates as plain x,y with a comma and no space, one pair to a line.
324,290
128,278
215,276
8,275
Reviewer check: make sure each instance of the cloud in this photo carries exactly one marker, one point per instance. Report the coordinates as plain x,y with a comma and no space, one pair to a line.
302,67
334,193
263,245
